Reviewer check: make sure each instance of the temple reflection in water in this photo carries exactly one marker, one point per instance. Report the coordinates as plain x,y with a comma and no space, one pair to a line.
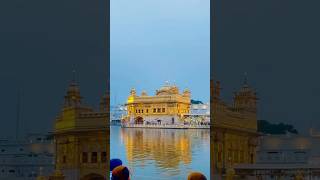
173,152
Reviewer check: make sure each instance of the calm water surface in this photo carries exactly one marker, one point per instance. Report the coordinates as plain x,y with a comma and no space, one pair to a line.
161,153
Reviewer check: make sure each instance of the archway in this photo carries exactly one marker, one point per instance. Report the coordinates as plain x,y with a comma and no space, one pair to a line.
138,120
93,176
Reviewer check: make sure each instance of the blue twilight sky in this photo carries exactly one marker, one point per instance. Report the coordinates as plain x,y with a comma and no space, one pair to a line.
159,40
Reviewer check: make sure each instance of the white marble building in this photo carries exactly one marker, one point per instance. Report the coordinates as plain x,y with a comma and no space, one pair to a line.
200,109
26,159
117,112
285,157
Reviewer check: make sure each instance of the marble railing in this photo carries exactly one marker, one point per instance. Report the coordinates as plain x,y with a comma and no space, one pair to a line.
166,126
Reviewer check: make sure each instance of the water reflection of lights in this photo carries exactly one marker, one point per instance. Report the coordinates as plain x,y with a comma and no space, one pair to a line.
167,148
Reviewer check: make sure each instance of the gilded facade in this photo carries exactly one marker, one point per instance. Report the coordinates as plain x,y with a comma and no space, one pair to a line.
167,106
81,136
234,129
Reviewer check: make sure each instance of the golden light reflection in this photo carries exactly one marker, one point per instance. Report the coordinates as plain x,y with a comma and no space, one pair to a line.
168,148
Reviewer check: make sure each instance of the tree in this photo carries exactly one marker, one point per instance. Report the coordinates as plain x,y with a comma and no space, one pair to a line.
280,128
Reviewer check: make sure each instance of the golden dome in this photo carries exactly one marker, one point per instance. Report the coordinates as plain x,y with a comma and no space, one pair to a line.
144,93
168,89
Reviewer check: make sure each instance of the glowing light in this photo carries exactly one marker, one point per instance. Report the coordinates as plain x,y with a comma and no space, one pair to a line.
130,99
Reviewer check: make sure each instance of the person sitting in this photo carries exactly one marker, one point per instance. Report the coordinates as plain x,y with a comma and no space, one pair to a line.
196,176
120,173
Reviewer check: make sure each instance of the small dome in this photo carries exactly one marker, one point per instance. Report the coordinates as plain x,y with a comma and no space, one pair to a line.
186,93
73,97
168,89
165,88
144,93
133,92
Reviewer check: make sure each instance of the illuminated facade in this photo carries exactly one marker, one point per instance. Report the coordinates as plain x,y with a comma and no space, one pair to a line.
80,135
234,129
168,106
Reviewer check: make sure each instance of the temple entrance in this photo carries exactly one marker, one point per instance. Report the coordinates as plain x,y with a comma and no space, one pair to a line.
138,120
93,177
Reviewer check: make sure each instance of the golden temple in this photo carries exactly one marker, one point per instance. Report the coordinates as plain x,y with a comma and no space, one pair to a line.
233,129
166,107
81,135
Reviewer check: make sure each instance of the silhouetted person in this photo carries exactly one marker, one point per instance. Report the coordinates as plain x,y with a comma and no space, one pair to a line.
196,176
120,173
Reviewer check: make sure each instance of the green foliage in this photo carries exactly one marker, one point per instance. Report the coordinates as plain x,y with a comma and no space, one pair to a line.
196,102
280,128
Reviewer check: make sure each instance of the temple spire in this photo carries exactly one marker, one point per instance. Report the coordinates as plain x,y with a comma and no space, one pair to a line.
245,98
245,82
74,75
73,97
